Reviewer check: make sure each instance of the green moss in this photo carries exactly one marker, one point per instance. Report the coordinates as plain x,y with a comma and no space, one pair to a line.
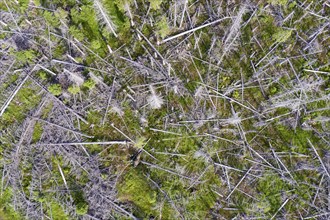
155,4
131,120
47,109
51,19
60,50
23,4
12,80
273,90
282,35
57,212
270,188
117,12
296,141
25,56
267,28
7,212
37,132
140,142
94,148
163,28
26,177
79,201
43,75
278,2
96,44
74,31
25,100
203,198
135,188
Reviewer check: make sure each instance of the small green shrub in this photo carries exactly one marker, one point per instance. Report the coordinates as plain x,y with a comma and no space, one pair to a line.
42,75
162,27
74,89
89,84
51,19
282,35
155,4
55,89
25,56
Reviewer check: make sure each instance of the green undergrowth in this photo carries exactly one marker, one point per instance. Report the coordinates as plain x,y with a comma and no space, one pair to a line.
7,211
187,159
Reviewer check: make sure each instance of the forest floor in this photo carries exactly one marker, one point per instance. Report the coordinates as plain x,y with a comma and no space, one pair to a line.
161,109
